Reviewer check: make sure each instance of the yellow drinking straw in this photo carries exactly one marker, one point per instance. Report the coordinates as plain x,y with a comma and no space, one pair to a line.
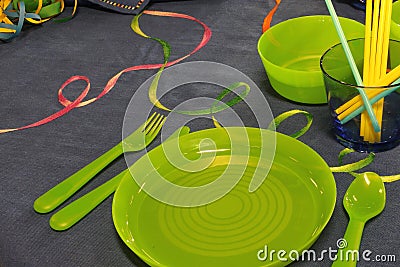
353,66
378,60
368,67
367,41
374,64
376,49
384,46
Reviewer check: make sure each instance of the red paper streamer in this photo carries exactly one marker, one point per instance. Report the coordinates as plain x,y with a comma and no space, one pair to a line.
78,102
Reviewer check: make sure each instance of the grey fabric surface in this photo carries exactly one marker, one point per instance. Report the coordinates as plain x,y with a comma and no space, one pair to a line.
99,44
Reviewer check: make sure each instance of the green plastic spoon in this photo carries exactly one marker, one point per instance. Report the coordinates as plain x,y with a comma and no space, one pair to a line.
365,198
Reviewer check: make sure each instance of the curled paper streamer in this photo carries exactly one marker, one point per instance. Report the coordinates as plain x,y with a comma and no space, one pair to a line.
267,21
79,101
9,30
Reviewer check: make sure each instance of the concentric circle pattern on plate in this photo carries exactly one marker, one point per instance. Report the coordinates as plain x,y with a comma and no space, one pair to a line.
232,224
287,212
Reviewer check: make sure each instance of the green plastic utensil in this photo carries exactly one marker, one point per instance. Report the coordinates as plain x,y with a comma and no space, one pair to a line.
365,198
138,140
77,210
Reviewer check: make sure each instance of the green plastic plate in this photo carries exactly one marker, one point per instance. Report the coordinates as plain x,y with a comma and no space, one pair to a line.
287,212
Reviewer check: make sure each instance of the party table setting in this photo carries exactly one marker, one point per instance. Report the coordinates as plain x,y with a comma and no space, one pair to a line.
200,133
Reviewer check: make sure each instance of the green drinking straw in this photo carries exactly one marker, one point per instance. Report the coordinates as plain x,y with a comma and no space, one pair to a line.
372,101
352,63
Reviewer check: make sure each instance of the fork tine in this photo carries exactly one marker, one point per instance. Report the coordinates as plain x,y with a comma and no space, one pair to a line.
150,121
157,128
153,122
160,122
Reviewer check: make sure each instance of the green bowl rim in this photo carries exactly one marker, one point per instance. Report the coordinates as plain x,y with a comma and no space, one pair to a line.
313,17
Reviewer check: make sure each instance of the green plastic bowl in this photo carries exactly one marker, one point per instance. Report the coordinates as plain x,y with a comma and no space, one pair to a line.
291,50
395,25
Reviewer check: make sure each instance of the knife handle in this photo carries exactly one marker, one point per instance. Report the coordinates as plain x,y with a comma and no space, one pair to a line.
77,210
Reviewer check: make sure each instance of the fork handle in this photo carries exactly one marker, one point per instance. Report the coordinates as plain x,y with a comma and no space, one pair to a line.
78,209
62,191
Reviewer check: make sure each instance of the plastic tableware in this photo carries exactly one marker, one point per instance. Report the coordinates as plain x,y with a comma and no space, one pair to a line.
395,24
352,64
78,209
342,89
290,52
373,100
136,141
287,212
365,198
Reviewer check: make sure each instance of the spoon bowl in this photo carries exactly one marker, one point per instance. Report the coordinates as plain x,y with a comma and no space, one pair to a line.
365,198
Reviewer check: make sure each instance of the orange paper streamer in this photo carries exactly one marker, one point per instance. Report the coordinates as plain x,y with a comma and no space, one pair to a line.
267,21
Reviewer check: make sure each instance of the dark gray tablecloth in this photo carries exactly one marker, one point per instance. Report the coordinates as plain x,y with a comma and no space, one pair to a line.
98,44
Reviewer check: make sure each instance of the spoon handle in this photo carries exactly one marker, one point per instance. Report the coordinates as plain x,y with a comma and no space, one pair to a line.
348,252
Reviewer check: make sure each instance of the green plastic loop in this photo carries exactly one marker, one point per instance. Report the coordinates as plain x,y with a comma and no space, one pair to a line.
154,84
347,168
280,118
351,167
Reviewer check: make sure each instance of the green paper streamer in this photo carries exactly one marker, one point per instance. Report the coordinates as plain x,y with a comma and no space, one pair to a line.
154,84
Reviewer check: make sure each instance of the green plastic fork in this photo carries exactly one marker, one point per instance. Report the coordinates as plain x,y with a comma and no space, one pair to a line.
136,141
75,211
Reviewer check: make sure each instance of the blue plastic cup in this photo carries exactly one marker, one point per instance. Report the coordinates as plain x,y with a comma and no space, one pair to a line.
341,87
